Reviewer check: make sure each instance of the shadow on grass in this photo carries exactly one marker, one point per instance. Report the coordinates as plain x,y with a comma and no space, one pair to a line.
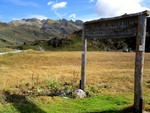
125,110
22,104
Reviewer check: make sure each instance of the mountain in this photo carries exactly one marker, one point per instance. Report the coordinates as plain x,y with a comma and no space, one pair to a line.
18,32
51,35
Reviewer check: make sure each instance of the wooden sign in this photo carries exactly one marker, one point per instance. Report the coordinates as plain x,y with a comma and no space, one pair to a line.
118,27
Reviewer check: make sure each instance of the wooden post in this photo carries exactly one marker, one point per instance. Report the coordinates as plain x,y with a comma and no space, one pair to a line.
139,63
83,65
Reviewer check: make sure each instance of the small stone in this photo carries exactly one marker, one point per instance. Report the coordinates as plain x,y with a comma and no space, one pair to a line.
61,94
79,93
68,92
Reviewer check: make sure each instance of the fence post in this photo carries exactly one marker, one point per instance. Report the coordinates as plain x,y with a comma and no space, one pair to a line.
83,65
139,63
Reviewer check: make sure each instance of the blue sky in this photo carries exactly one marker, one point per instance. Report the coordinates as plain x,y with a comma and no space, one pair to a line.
69,9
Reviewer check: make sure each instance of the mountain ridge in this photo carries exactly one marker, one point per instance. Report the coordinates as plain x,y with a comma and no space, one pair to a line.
19,31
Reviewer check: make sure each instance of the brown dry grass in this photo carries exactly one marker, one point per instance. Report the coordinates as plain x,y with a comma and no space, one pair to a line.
110,73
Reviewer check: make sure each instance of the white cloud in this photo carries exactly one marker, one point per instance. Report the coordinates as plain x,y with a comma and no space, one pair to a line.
60,15
55,6
40,17
59,5
108,8
72,16
88,17
91,1
50,3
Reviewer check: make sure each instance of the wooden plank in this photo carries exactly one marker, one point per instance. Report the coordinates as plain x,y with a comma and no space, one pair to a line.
83,65
139,64
117,28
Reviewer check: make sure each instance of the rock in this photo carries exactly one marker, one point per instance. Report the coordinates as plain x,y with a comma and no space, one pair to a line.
78,93
68,92
56,42
61,94
65,97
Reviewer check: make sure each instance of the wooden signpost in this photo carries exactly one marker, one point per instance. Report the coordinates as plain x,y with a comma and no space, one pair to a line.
132,25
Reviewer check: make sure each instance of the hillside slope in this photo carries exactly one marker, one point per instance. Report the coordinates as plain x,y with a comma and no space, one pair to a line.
21,31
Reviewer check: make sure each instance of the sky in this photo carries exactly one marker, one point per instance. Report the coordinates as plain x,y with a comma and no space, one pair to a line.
85,10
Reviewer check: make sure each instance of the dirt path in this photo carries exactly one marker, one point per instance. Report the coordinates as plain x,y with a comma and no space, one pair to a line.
17,51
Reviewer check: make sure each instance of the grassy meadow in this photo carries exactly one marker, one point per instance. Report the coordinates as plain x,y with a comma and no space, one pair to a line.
110,82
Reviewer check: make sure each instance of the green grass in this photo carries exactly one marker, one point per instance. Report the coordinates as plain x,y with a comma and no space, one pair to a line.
95,104
6,49
74,45
110,81
99,104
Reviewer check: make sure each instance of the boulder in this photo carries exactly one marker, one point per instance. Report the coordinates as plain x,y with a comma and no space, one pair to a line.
79,93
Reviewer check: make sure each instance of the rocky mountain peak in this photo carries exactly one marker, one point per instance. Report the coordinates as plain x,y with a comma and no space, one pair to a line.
29,22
